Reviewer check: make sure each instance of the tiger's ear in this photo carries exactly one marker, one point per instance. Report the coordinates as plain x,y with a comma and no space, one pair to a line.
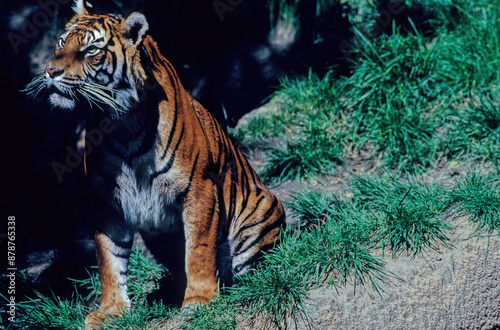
135,28
82,7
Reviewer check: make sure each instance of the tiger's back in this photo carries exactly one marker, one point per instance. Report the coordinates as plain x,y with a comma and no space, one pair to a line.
165,166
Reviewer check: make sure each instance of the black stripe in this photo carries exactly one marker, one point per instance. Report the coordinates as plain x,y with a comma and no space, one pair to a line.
219,154
73,79
251,214
193,170
266,216
111,43
232,200
262,234
114,59
126,245
244,204
122,255
243,180
171,136
170,162
250,261
125,63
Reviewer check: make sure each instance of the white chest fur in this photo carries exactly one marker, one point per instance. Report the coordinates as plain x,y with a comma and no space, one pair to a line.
145,206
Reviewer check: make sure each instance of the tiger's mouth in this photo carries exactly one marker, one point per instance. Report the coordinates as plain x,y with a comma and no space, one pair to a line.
62,101
61,97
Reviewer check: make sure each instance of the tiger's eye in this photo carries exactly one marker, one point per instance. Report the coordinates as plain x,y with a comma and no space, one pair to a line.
92,50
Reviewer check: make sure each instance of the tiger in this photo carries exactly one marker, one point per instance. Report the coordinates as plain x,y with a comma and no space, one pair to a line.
162,163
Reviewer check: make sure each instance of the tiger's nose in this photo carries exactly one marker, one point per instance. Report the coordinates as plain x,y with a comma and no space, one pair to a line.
53,71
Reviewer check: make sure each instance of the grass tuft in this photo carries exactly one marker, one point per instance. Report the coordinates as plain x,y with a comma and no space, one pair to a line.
337,249
272,292
475,129
218,314
316,149
408,213
478,196
394,79
51,312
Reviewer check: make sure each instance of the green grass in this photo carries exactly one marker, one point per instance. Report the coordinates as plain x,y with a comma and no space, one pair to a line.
408,213
303,95
474,130
51,313
315,149
273,294
478,195
333,242
469,54
388,94
219,314
44,312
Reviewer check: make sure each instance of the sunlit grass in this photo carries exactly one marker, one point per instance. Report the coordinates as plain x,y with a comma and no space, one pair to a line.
273,294
408,213
316,149
335,238
477,196
218,314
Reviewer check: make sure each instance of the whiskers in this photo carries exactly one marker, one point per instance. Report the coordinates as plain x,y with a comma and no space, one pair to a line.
36,85
98,95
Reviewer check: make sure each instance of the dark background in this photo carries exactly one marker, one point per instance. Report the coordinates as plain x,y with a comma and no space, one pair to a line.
225,60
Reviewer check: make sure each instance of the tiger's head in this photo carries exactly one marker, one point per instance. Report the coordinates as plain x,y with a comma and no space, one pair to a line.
97,58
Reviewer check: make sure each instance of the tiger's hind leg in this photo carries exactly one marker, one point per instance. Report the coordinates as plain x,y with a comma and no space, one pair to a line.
256,232
113,251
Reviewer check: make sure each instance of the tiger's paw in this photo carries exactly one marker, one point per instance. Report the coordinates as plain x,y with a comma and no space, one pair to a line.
195,301
95,320
98,319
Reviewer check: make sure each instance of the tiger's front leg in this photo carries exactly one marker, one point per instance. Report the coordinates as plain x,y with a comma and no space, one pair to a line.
113,251
200,226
